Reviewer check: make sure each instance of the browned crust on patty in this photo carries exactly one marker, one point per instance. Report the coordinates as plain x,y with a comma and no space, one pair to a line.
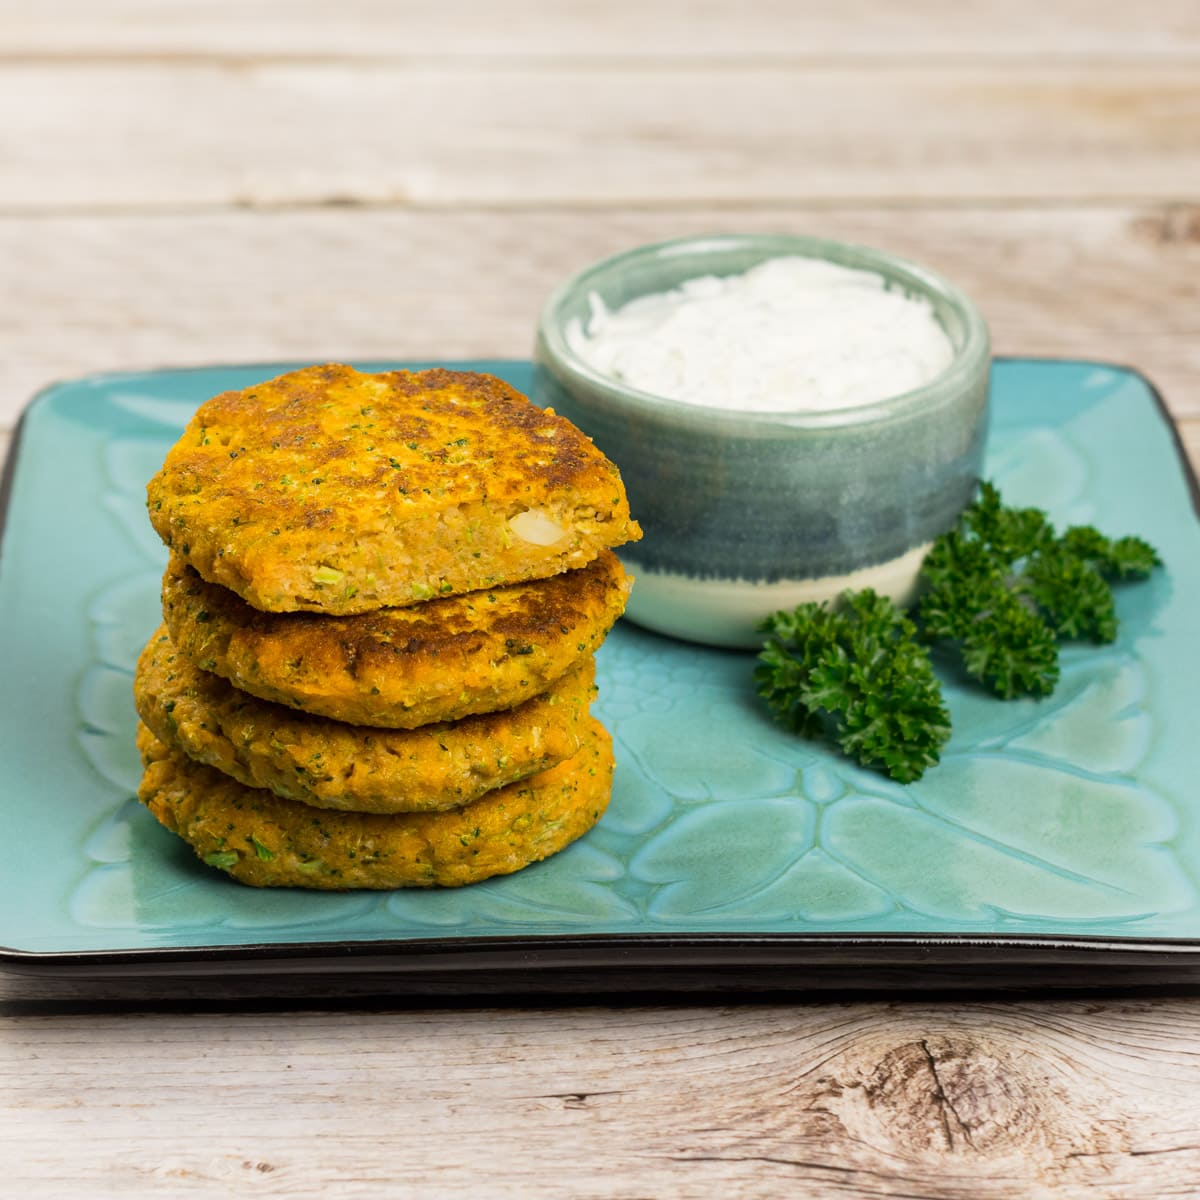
330,490
266,841
406,667
328,764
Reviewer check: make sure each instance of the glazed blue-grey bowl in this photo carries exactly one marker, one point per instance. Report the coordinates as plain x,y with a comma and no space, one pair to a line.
746,513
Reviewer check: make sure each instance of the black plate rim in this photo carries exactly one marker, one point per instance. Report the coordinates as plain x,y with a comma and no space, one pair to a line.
608,951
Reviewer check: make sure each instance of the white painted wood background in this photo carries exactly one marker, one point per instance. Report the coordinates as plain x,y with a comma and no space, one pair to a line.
184,182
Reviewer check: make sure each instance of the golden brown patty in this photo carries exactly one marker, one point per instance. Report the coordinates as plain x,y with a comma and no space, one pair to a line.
327,490
400,667
332,765
263,840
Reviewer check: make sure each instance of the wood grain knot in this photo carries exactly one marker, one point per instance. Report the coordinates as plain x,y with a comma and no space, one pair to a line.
1175,225
958,1092
951,1093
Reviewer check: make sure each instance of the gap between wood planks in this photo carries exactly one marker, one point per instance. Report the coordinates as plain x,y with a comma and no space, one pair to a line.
1177,218
442,60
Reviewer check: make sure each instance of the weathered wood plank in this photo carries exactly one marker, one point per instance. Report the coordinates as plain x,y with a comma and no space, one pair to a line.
149,136
1189,434
986,1100
1119,284
670,30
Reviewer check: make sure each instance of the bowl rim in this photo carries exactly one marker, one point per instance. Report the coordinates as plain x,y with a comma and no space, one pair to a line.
970,359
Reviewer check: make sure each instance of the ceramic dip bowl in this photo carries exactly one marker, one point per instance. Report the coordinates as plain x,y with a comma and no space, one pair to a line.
749,511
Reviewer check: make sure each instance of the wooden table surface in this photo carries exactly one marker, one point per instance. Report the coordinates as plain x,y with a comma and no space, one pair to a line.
184,181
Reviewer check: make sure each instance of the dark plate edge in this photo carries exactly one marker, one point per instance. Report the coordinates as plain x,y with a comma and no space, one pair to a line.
607,969
1002,957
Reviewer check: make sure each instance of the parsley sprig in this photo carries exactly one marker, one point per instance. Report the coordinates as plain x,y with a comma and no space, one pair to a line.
1001,587
1005,588
859,675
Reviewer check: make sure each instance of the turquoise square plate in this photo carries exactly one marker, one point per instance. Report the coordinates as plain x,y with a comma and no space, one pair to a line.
1058,843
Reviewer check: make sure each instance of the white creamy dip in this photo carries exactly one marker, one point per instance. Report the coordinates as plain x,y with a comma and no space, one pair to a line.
792,334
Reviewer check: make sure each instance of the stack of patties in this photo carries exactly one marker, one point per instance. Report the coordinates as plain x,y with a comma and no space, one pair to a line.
380,611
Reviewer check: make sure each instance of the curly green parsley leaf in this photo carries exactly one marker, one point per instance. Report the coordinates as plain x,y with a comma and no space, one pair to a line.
857,675
1001,586
1006,588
